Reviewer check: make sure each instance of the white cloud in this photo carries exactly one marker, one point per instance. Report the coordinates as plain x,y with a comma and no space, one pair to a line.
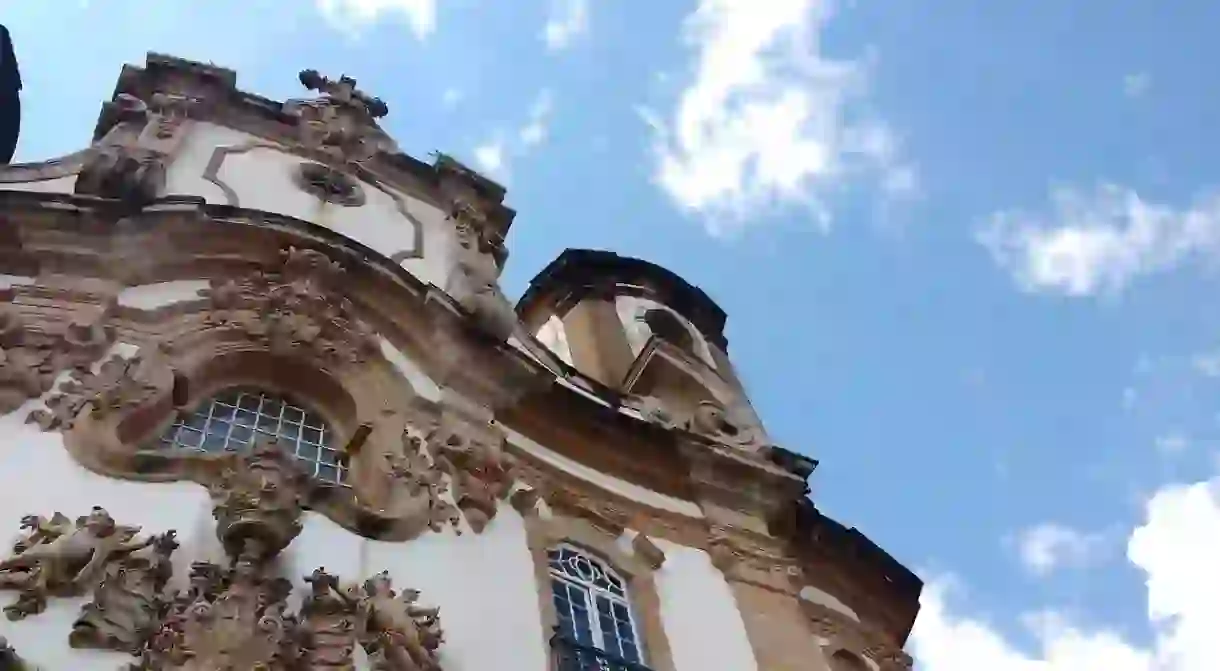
1177,548
1172,443
495,155
1136,85
1099,241
490,156
767,120
451,97
1049,546
354,15
1207,364
534,130
568,20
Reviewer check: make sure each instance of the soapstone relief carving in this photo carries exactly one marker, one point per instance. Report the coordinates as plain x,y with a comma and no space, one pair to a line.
482,473
10,660
296,307
57,557
475,284
119,383
129,600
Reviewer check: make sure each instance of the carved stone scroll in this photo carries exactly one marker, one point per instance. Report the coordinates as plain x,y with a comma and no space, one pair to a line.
57,557
296,307
476,285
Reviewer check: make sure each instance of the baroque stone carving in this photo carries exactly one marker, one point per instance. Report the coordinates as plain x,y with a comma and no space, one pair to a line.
57,557
753,559
329,185
128,163
475,285
726,426
328,623
340,123
483,475
30,361
258,502
419,494
129,601
119,383
398,634
298,306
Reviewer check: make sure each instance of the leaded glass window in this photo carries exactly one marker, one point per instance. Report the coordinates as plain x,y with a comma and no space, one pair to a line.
234,419
591,603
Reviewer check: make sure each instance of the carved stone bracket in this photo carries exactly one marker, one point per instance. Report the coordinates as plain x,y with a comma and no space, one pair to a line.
475,284
604,516
648,551
31,361
845,633
296,307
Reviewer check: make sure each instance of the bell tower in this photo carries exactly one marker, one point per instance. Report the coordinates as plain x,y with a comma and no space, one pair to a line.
646,334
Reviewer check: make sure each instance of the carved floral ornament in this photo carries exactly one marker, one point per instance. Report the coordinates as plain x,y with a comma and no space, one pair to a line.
232,617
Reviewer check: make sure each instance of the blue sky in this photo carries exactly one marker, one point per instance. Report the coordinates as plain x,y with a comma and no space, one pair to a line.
967,256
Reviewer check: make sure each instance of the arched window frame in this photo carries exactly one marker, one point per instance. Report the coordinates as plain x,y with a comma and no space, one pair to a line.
232,419
636,566
597,626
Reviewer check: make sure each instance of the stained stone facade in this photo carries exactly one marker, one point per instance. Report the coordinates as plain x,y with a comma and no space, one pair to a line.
264,405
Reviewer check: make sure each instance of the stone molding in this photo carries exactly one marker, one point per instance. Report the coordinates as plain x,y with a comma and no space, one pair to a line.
841,632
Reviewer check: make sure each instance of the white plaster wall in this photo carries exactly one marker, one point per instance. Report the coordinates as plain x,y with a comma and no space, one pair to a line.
57,185
553,336
262,179
702,623
631,311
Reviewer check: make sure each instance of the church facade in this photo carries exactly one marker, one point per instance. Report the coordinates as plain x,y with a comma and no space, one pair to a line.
263,405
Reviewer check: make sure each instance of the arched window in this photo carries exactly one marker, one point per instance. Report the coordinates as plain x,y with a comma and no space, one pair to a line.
591,603
843,660
669,328
234,419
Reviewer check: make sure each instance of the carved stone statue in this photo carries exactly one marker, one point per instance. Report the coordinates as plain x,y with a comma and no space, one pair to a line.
57,558
398,634
328,624
129,162
475,284
167,648
128,602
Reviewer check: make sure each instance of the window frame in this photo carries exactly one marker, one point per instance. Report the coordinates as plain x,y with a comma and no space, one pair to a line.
204,408
589,593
